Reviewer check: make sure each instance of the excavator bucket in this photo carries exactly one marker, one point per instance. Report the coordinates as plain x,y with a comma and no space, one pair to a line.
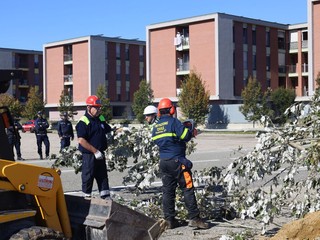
105,219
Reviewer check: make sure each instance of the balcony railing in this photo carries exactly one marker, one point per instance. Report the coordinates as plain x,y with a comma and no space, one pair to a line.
293,46
68,78
292,68
304,44
183,66
67,57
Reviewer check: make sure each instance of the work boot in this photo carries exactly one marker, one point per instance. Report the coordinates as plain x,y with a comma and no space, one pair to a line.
20,158
172,223
198,223
41,158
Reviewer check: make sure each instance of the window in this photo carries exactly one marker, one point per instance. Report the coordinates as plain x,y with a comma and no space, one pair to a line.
254,61
127,52
245,60
254,37
268,63
141,53
127,91
118,68
118,90
267,38
245,35
141,69
304,36
118,50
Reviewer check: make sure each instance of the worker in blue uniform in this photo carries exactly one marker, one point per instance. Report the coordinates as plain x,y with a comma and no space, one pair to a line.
91,131
41,125
65,131
171,136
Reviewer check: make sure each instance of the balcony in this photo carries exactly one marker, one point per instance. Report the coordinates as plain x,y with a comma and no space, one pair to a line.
183,68
304,44
181,43
67,58
68,79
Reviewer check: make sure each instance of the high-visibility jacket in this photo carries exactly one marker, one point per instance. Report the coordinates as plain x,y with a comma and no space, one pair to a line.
94,130
171,137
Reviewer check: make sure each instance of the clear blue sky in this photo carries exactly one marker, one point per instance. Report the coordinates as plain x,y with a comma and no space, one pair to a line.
28,24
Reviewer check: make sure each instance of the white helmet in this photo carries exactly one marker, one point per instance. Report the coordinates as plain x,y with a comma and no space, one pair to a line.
150,110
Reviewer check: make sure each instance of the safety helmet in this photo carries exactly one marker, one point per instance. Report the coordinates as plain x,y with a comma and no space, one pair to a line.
39,113
93,101
165,103
150,110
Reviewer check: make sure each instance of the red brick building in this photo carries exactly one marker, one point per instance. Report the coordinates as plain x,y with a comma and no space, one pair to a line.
78,66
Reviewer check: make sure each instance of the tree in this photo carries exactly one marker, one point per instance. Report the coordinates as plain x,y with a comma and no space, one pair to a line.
13,104
281,99
194,99
34,104
106,109
142,98
254,101
65,103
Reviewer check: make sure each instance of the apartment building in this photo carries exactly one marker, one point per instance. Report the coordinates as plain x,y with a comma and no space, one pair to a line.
29,63
78,66
226,50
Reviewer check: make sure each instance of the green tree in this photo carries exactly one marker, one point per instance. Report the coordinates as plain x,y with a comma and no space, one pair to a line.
106,109
13,104
142,98
281,99
65,103
34,104
194,98
255,103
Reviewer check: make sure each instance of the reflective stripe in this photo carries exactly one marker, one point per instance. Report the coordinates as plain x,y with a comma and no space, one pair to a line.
164,135
187,177
105,193
102,119
87,121
184,134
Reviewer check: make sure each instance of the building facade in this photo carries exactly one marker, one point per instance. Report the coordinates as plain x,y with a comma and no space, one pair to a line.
227,50
29,63
78,66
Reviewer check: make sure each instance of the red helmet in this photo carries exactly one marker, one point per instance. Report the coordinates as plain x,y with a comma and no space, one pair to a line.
165,103
93,101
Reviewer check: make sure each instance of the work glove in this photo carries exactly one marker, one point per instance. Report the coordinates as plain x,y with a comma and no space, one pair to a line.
98,155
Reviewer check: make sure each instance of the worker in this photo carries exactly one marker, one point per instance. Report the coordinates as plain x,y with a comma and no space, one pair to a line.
171,136
65,131
41,125
91,131
14,138
150,114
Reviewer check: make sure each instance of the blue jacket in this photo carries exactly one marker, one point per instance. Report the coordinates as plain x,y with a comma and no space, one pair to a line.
41,125
94,130
171,136
65,129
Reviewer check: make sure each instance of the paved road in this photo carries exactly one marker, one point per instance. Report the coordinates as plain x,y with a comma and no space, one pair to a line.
212,150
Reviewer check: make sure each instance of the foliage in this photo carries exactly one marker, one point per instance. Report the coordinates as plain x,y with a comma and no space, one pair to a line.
13,104
281,173
194,98
254,101
106,109
34,104
142,98
66,103
281,99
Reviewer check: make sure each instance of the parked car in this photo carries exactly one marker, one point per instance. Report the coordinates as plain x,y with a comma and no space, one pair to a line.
28,126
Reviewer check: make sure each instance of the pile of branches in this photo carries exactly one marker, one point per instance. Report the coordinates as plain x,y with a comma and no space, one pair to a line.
279,174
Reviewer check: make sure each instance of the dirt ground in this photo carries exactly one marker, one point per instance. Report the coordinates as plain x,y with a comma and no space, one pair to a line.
284,228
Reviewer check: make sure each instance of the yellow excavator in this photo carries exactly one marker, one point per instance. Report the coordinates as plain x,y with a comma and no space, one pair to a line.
34,206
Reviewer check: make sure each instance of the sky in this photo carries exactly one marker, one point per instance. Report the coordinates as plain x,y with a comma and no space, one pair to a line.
28,24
